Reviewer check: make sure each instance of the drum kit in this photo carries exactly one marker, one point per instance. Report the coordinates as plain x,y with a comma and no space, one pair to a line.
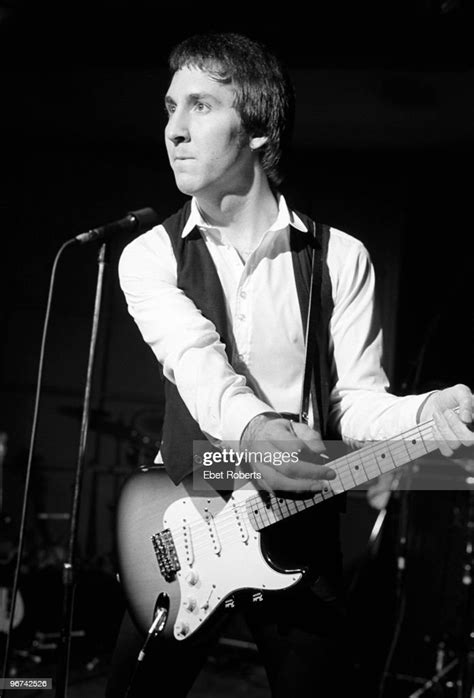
420,578
427,546
141,434
421,575
38,609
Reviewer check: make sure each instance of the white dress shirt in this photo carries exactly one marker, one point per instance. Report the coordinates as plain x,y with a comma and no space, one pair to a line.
266,370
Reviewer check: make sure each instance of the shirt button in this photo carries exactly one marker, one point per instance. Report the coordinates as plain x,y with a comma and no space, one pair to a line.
241,317
243,294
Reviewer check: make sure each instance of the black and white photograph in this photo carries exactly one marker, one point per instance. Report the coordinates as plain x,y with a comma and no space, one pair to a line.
236,415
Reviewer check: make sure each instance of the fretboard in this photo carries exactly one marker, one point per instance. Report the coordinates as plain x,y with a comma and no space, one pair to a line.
352,470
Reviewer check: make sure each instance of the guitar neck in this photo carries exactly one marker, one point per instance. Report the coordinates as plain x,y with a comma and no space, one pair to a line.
352,470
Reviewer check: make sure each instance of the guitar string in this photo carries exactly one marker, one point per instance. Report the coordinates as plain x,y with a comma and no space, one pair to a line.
205,551
278,510
394,447
342,468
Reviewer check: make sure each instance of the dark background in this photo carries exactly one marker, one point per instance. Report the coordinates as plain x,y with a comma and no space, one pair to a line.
383,149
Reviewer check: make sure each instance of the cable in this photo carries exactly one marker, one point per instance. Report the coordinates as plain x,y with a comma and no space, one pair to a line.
155,628
30,456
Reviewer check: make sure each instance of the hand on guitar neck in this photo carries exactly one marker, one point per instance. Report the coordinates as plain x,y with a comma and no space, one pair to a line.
305,470
450,429
450,409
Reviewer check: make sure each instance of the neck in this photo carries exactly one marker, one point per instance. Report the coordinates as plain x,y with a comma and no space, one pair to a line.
352,470
243,215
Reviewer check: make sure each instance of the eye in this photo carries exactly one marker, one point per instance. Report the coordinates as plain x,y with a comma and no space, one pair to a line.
169,109
201,107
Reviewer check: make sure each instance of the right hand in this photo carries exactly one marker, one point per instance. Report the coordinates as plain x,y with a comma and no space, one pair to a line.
270,434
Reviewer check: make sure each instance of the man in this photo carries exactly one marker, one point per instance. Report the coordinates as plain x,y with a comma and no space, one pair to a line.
220,293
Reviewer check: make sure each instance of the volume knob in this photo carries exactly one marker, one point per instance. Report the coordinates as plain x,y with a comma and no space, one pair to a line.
189,603
181,629
192,578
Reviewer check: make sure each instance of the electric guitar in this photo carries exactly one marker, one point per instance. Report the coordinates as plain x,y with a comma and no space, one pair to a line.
186,550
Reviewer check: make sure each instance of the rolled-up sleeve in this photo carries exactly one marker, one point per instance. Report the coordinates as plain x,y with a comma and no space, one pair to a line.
186,343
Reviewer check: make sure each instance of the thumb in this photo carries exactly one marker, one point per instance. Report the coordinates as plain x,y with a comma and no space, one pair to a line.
466,403
460,396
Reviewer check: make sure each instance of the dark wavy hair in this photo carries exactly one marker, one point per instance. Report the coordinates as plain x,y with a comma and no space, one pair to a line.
264,92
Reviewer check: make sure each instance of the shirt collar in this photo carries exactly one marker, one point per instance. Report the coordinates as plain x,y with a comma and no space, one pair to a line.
284,218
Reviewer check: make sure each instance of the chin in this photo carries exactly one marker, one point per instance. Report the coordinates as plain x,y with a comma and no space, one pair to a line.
186,185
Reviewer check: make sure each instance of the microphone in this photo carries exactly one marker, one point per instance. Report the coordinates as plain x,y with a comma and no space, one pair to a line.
135,221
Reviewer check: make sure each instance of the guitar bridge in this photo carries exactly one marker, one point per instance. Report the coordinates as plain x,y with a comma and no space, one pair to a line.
166,555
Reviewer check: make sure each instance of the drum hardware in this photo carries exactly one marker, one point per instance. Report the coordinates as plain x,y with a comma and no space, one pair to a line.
453,655
142,433
98,422
146,432
45,642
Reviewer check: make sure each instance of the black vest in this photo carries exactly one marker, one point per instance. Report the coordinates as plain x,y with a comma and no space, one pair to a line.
194,265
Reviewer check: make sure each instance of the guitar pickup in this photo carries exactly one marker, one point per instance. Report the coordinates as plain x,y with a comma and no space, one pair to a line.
240,520
166,554
212,530
188,544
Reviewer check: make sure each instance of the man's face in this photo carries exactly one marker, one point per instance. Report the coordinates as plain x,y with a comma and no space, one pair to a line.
207,148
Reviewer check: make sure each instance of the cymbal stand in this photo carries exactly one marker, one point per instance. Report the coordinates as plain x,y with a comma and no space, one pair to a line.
465,683
401,495
464,662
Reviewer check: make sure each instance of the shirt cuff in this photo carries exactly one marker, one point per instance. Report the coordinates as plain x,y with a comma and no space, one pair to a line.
420,408
412,406
244,408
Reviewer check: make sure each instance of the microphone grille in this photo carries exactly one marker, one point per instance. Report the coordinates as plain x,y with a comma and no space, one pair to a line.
146,218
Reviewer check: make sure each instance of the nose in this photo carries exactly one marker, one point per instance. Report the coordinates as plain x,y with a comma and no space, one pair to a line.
176,129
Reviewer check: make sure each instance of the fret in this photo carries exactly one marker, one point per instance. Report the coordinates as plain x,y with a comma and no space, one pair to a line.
273,511
384,458
288,505
326,493
356,465
343,480
402,453
370,464
417,447
258,514
351,470
320,497
305,504
300,505
309,503
284,507
399,452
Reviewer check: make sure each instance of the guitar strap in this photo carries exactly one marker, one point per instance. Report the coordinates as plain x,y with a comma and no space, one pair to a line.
312,368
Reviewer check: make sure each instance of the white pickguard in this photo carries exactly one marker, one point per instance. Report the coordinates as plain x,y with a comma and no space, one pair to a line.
218,556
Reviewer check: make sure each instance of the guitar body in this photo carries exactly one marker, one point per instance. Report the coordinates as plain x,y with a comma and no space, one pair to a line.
188,549
211,552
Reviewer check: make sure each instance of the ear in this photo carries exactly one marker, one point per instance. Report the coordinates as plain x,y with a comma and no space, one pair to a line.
257,141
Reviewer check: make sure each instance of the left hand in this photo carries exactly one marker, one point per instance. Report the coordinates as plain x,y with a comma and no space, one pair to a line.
450,430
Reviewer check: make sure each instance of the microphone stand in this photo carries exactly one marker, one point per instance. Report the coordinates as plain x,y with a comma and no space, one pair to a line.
69,570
